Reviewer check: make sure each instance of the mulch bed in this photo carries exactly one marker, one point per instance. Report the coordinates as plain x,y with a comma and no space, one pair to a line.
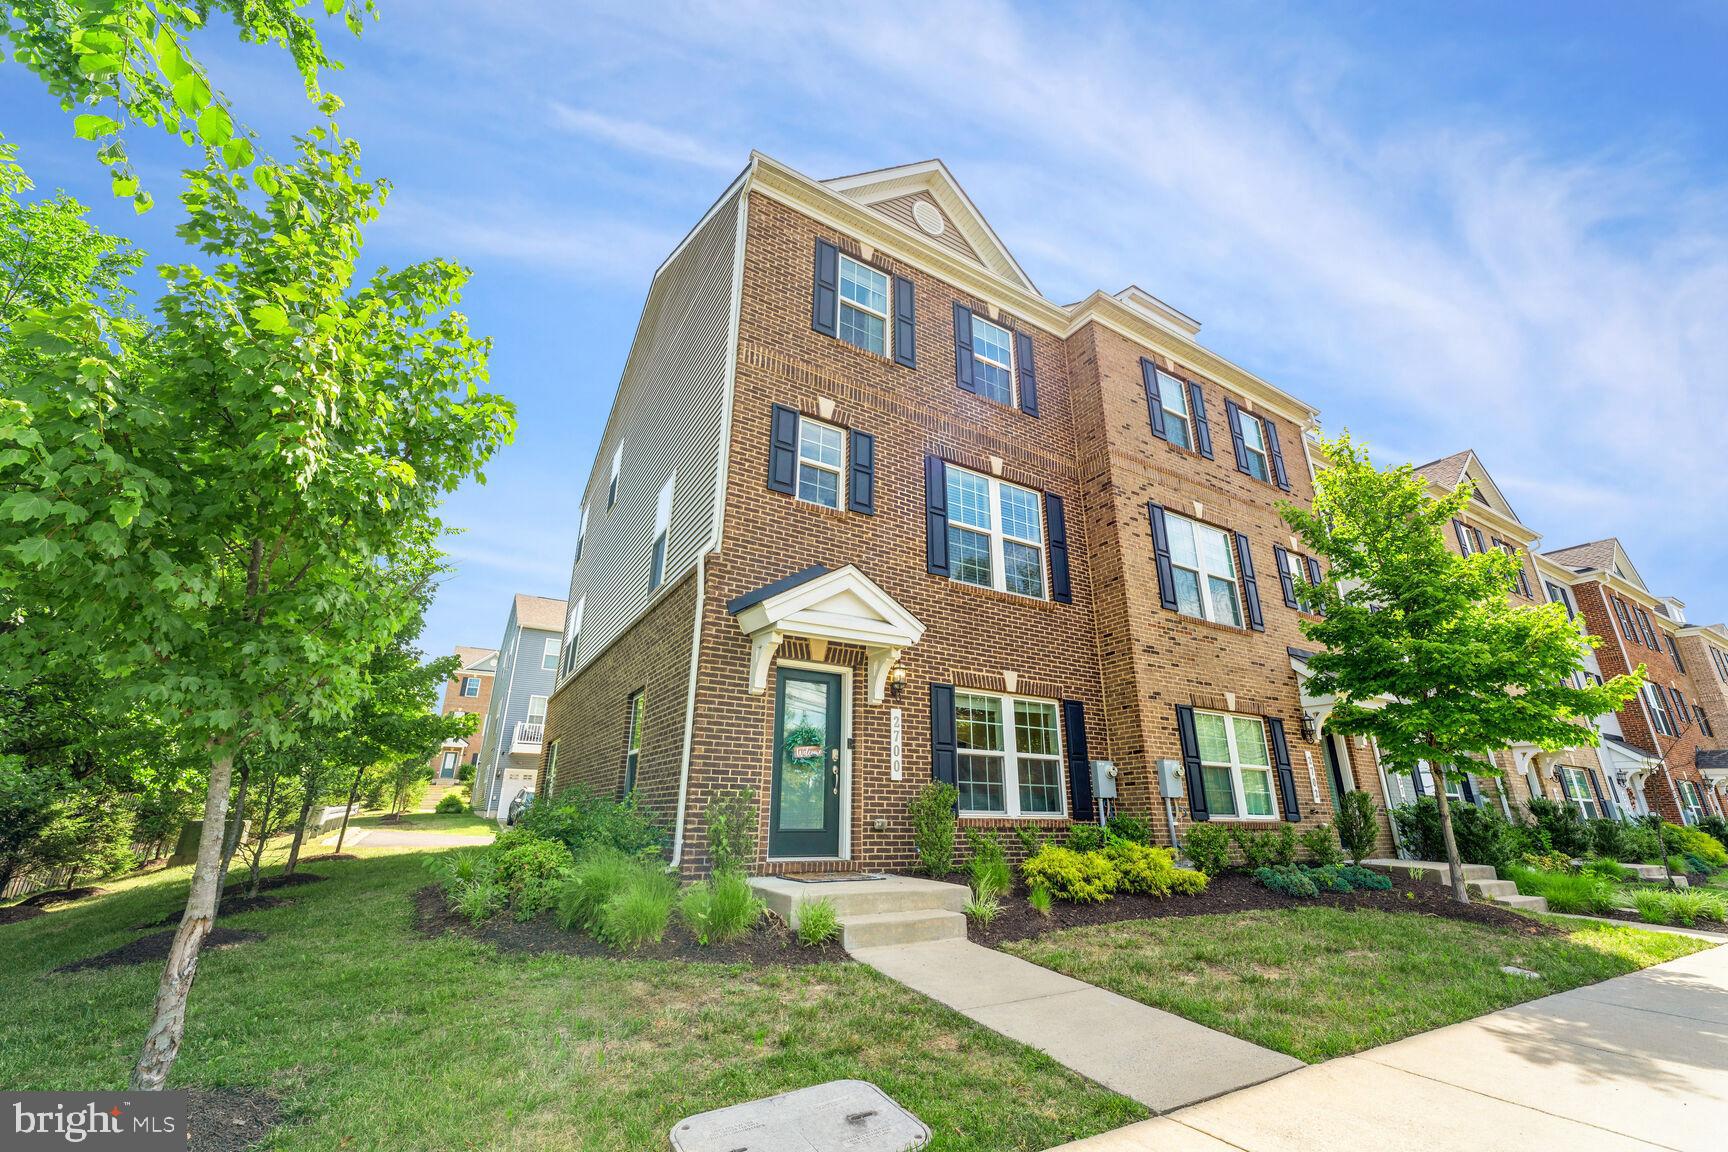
232,905
770,943
1238,892
271,883
328,856
229,1119
62,896
155,947
18,912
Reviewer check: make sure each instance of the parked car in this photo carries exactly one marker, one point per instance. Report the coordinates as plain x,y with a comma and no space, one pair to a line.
517,807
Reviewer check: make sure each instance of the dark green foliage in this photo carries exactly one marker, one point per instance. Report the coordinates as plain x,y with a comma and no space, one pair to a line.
1208,846
1562,827
1358,830
465,774
731,822
1484,835
1087,838
1128,827
530,871
1266,849
1287,879
1365,879
450,804
1305,882
987,866
1608,837
1322,845
1031,837
934,820
586,823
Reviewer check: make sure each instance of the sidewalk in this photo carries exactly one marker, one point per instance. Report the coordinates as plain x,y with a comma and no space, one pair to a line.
1157,1058
1637,1062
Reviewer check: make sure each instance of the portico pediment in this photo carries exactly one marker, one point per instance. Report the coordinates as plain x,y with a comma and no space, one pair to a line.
842,605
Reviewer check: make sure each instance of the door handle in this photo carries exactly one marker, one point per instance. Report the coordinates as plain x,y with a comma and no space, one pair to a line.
834,755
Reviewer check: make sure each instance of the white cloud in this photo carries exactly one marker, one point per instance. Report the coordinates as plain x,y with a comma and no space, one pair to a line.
645,139
568,242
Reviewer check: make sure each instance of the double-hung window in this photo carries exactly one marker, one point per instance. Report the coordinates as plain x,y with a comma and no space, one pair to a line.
573,633
1254,447
549,656
1203,561
633,740
1235,766
1178,421
1576,784
863,306
1691,802
1658,705
1437,778
470,686
662,529
1720,660
821,463
1010,756
1674,651
1561,597
581,530
537,710
995,533
993,361
612,485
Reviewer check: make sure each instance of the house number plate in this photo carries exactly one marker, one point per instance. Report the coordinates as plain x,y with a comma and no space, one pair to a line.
839,1116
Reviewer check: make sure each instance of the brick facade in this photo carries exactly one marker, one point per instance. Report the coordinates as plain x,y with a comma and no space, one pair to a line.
454,703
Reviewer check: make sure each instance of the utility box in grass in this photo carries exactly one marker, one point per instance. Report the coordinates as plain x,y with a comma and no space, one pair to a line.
839,1116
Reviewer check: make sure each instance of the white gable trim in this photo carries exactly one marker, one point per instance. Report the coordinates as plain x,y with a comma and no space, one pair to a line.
844,606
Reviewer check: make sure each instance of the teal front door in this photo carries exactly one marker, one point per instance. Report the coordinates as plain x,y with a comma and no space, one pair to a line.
804,815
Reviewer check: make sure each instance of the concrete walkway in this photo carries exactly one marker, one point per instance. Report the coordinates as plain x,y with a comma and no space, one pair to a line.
1157,1058
1637,1062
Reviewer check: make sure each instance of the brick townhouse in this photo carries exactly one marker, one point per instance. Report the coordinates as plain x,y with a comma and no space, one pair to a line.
1703,650
469,692
1660,730
869,509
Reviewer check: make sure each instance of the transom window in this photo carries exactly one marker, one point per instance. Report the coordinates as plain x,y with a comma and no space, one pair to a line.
995,533
821,459
1203,561
1254,445
992,361
1235,766
863,306
1008,768
1173,398
1575,782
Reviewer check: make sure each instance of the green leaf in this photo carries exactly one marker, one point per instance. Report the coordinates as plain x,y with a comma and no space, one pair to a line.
215,125
270,318
237,153
90,126
142,203
124,185
191,93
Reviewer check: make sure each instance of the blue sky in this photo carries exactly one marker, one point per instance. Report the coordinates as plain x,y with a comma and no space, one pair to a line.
1494,226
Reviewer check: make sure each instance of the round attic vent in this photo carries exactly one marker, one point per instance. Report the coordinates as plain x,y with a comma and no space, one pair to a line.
928,217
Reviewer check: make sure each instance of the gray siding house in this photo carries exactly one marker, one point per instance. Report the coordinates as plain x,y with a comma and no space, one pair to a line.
528,659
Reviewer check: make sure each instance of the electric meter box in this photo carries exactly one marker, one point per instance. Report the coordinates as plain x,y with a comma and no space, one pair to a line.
1172,782
1103,780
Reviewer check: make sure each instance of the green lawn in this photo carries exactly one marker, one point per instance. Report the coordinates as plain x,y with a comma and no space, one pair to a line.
375,1038
1323,982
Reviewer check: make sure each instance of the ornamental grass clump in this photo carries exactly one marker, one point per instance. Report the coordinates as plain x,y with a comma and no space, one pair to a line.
720,908
818,922
1680,906
1580,893
637,913
1078,877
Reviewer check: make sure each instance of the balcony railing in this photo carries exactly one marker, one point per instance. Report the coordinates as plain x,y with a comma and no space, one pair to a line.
527,736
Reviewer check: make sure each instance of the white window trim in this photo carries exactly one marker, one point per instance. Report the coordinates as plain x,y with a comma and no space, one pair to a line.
998,532
633,741
573,634
1011,761
1584,802
1264,452
660,541
462,689
529,717
550,653
612,484
839,472
1206,575
1694,806
1236,767
581,529
841,303
1167,384
1013,400
1658,709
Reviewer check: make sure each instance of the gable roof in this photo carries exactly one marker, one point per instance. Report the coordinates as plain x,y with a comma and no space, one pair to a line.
1450,471
895,193
539,612
1607,555
481,660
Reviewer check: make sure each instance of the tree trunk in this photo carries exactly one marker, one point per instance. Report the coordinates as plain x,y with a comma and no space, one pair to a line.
231,835
300,828
1460,890
263,836
168,1024
353,794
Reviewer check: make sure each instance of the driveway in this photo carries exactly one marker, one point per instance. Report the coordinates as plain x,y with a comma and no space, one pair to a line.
1637,1062
408,838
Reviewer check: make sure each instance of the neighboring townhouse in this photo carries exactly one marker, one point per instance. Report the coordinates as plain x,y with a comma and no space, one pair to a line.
1640,628
1703,653
467,692
870,510
528,662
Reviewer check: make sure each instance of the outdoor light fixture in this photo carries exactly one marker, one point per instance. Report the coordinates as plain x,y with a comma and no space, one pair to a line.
897,679
1310,730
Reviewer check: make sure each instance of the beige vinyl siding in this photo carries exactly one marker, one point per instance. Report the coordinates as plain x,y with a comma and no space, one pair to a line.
667,417
899,209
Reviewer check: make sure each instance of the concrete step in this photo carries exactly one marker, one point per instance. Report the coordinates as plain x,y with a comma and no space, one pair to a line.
1523,903
1432,872
1655,874
860,897
879,929
1494,890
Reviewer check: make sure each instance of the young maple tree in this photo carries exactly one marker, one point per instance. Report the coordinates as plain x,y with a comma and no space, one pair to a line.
1422,648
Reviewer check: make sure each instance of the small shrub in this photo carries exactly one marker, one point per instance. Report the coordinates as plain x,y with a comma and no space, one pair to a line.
1208,846
1187,882
1287,879
1031,837
594,881
1079,877
1716,828
1582,893
1697,865
530,871
720,908
1322,846
1132,828
983,909
934,820
1608,838
1327,878
1678,865
1607,869
586,823
637,914
1546,861
1140,868
1358,826
730,822
1087,838
987,866
1484,835
1365,879
1565,830
478,899
1039,897
1259,849
1642,844
452,870
1696,842
450,804
818,922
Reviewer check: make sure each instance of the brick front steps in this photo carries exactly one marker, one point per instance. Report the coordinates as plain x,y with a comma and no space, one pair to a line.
1481,879
875,913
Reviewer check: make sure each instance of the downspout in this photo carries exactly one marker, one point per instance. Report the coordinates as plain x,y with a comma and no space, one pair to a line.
690,710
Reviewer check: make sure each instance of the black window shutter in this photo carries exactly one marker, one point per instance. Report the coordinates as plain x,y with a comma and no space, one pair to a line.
1250,586
861,494
1277,454
1154,397
1463,540
1674,651
963,349
1285,581
1680,706
1467,789
935,516
1235,415
1191,763
1026,373
783,450
826,296
1476,535
1161,553
1416,779
1079,762
944,750
1314,580
1286,777
1202,428
1596,787
905,324
1056,528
